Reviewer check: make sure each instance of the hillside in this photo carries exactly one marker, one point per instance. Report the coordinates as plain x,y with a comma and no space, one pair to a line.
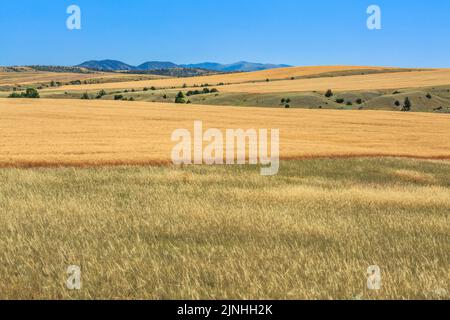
114,65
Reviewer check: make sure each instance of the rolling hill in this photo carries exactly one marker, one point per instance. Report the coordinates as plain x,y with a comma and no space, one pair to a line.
114,65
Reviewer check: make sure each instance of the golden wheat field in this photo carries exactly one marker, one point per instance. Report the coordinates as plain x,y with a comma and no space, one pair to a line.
226,232
24,78
396,80
77,132
282,73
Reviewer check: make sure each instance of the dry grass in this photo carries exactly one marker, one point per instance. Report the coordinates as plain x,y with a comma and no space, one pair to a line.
33,77
77,132
397,80
226,232
283,73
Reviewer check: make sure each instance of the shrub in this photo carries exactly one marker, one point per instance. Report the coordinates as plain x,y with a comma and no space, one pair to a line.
214,90
407,105
428,96
283,100
165,96
287,106
359,101
15,95
329,93
288,100
85,96
31,93
340,100
101,93
349,103
145,89
118,97
180,98
397,103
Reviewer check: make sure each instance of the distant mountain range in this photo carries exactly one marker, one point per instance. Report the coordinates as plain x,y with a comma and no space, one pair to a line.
114,65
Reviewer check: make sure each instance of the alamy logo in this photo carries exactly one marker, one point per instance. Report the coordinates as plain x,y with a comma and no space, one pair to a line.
374,20
74,280
231,149
74,20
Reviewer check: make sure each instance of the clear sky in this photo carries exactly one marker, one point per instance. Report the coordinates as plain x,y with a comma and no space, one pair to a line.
415,33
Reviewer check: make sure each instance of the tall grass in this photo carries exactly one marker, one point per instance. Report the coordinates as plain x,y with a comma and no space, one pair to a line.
226,232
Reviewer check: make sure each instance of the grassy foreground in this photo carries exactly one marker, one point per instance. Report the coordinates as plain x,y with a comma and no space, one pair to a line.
226,232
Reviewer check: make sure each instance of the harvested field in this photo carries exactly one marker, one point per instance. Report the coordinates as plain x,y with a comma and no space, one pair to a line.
283,73
414,79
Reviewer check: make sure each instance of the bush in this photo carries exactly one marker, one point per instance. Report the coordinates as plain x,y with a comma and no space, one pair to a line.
340,100
31,93
15,95
118,97
349,103
165,96
101,93
407,105
287,106
428,96
329,93
180,98
85,96
283,100
397,103
359,101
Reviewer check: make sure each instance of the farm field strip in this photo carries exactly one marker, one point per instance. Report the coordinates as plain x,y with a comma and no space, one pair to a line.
91,133
381,81
243,77
28,77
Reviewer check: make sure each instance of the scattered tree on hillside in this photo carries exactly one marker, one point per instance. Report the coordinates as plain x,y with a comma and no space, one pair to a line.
180,98
31,93
101,93
407,105
329,93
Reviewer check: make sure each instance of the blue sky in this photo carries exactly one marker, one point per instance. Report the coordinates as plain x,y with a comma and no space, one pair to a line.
415,33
